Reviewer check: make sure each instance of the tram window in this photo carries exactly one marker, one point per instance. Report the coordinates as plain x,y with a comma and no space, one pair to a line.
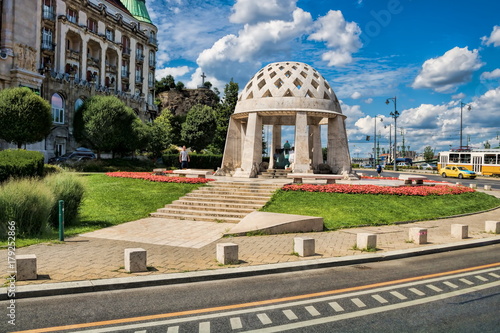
454,158
490,159
464,158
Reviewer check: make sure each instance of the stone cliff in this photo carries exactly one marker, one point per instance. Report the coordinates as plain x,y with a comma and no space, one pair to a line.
180,102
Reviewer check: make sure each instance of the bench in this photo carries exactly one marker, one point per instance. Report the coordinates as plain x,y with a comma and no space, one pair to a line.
298,177
191,173
408,179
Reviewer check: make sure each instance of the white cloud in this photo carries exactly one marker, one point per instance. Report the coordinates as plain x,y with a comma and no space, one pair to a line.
176,72
458,96
340,36
253,11
494,38
495,74
356,95
445,73
368,100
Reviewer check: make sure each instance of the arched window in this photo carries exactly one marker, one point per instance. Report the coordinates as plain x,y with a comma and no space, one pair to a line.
57,103
78,103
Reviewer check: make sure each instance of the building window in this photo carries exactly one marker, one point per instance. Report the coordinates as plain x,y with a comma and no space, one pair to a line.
78,103
152,60
92,25
72,15
152,38
138,74
57,103
48,10
47,39
125,70
126,45
151,79
110,34
139,54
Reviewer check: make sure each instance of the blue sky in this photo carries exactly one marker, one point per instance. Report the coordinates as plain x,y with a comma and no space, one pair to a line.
431,55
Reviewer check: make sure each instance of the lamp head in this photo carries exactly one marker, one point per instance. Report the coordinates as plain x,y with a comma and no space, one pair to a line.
387,101
469,107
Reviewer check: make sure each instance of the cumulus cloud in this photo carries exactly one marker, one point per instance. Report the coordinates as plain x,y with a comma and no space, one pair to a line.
356,95
495,74
458,96
176,72
494,37
368,100
339,35
445,73
254,11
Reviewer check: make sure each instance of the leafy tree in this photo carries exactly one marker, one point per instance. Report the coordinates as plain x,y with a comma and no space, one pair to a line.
199,128
223,113
25,117
179,86
207,84
104,123
161,133
428,154
165,84
487,145
176,122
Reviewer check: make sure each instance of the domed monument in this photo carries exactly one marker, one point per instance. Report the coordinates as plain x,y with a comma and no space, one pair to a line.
286,94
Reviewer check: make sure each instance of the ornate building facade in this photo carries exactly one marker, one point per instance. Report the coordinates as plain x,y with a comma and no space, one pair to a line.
69,50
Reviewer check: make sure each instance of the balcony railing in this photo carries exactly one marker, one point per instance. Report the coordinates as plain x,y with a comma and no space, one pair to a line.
126,51
125,74
48,45
139,79
72,19
153,41
152,63
139,57
49,14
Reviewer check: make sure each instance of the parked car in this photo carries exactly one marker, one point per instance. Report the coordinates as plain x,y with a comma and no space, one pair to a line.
454,171
367,166
403,164
427,166
73,157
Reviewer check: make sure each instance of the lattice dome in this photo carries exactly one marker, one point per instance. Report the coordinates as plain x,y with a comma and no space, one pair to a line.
288,86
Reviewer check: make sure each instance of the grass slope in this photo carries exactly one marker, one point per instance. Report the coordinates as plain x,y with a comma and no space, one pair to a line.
340,210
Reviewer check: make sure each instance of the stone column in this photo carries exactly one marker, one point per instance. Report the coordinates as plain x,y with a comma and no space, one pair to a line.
301,163
252,148
84,65
8,27
276,144
338,150
317,154
232,150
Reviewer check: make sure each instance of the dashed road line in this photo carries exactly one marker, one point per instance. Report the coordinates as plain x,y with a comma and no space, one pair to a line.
433,287
479,277
236,323
336,306
398,295
204,327
380,299
495,275
451,285
290,315
358,302
312,311
173,329
264,319
470,283
417,292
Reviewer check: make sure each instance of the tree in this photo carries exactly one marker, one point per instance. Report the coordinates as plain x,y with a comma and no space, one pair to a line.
104,123
165,84
223,114
161,133
428,154
179,86
25,117
199,128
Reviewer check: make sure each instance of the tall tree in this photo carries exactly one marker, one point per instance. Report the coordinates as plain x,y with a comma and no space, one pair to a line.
161,133
25,117
165,84
104,123
428,154
199,128
223,113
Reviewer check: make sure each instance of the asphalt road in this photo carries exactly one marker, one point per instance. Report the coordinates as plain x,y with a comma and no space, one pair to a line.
346,302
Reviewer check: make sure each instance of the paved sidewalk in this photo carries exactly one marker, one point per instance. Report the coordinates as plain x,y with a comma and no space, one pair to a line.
90,258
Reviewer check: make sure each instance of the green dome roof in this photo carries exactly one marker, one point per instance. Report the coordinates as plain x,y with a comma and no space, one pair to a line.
138,9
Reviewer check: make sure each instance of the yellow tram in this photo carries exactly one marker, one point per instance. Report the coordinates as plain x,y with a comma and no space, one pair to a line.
482,161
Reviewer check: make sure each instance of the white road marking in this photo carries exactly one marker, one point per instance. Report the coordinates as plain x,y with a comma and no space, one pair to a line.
173,329
470,283
236,323
451,285
336,306
398,295
416,292
433,287
312,311
204,327
380,299
495,275
358,302
290,315
479,277
264,319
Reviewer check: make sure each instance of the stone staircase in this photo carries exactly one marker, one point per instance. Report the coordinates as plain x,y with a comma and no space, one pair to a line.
274,173
219,201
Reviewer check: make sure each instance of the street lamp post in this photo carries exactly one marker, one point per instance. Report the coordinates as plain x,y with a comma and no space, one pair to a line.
394,115
462,104
375,153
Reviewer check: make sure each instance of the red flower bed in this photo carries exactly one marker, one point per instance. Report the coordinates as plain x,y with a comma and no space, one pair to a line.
155,178
374,189
394,178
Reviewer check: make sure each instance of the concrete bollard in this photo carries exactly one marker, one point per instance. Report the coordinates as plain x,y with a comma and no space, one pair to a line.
304,246
487,187
418,235
459,231
366,241
492,226
26,267
135,260
474,186
227,253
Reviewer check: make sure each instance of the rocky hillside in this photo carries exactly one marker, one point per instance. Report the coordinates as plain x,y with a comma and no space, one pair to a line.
180,102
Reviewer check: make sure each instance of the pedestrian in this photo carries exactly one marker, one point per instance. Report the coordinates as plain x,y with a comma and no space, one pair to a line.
379,169
184,158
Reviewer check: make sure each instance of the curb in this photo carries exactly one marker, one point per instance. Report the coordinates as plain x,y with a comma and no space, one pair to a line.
65,288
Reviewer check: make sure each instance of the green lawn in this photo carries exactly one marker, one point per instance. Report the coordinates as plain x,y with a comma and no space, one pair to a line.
351,210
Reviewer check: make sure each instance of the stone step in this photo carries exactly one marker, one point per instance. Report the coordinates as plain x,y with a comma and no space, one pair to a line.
208,213
236,200
195,217
220,208
243,185
234,191
217,204
219,196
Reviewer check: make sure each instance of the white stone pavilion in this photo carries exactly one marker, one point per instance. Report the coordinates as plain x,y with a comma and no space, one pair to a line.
286,94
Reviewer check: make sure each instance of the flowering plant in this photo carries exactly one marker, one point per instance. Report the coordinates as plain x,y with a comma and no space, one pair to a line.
158,178
374,189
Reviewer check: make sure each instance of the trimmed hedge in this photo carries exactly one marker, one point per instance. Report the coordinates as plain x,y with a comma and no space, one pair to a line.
69,188
198,161
20,163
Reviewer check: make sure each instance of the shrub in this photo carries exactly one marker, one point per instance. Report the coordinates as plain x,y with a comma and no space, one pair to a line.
28,202
50,169
20,163
69,188
198,161
115,164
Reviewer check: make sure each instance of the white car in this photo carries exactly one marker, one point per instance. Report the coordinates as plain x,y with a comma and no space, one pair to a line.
403,164
426,166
